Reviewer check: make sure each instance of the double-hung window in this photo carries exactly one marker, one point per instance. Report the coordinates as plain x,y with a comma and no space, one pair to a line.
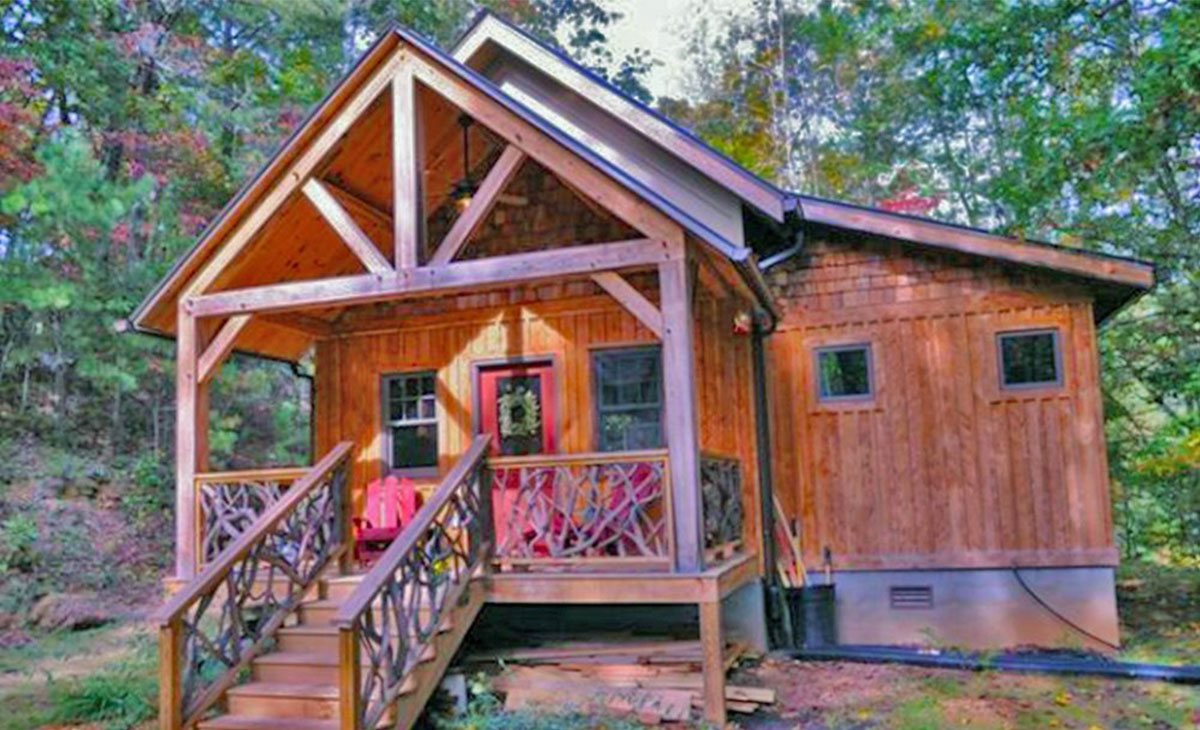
629,401
410,412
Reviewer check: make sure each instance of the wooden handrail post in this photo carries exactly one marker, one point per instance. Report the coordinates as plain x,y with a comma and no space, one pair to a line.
345,525
350,679
170,695
487,527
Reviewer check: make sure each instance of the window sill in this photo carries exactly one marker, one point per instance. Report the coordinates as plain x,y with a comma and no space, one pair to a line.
846,405
421,472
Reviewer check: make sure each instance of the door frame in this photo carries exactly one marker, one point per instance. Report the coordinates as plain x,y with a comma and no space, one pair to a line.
551,359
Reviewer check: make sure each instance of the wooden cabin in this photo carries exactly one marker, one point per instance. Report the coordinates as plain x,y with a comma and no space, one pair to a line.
603,354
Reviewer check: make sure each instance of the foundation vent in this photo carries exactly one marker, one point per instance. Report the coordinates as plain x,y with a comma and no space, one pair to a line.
910,597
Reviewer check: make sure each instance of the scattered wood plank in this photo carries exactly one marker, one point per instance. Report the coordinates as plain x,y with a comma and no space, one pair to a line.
639,685
650,706
655,681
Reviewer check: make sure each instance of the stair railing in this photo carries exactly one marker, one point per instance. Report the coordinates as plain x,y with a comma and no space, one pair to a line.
212,629
389,622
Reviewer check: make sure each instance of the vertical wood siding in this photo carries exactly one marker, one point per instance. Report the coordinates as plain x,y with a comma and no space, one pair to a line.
350,370
942,468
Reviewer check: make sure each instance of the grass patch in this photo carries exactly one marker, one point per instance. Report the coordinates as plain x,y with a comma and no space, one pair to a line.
106,676
943,685
920,713
120,698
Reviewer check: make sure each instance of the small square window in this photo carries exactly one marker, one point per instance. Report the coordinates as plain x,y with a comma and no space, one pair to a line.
1029,359
844,372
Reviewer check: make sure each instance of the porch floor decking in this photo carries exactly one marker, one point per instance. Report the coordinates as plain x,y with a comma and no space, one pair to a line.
579,587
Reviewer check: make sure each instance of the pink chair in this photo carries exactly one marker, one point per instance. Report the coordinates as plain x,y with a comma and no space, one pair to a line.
391,504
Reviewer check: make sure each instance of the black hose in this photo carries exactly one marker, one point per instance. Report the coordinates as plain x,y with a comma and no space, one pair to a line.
1036,663
1017,574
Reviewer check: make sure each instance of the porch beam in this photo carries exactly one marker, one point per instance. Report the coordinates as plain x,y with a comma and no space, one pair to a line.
407,157
498,270
481,205
632,299
355,201
291,181
346,227
679,387
220,347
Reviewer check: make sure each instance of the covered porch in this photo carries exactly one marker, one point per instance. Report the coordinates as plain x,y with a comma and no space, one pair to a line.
604,454
564,510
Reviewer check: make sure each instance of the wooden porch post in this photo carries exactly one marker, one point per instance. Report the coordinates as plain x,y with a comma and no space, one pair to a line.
712,641
679,386
191,439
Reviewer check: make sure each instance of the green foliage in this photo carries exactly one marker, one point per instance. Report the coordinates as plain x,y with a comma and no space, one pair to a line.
18,535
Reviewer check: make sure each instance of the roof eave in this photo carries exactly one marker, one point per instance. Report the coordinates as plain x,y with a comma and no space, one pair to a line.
749,188
1122,271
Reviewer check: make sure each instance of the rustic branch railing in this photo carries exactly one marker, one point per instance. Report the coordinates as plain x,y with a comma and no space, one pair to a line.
583,508
721,491
388,623
211,630
229,502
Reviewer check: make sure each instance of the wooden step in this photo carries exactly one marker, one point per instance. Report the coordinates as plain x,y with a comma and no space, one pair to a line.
250,722
308,638
323,612
319,613
309,667
339,588
272,699
296,667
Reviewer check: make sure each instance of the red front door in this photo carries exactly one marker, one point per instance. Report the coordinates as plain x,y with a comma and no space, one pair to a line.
518,408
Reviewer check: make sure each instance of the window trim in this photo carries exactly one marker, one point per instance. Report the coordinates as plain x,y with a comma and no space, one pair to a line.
872,386
1056,341
387,424
599,352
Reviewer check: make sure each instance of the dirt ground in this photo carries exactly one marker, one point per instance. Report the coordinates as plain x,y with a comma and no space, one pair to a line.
848,696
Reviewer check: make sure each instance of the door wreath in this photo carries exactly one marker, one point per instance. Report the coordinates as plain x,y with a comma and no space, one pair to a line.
520,413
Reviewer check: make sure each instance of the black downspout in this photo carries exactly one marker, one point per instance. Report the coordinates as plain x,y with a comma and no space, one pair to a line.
778,626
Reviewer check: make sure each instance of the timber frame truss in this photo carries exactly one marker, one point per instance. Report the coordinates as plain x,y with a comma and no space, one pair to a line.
662,246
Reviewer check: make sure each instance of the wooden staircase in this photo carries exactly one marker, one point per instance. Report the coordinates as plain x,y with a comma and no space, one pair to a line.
295,686
324,649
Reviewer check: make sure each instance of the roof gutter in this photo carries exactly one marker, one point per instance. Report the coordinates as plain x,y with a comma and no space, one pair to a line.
131,327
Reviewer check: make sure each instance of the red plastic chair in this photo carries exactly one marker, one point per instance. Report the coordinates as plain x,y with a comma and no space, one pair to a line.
391,504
